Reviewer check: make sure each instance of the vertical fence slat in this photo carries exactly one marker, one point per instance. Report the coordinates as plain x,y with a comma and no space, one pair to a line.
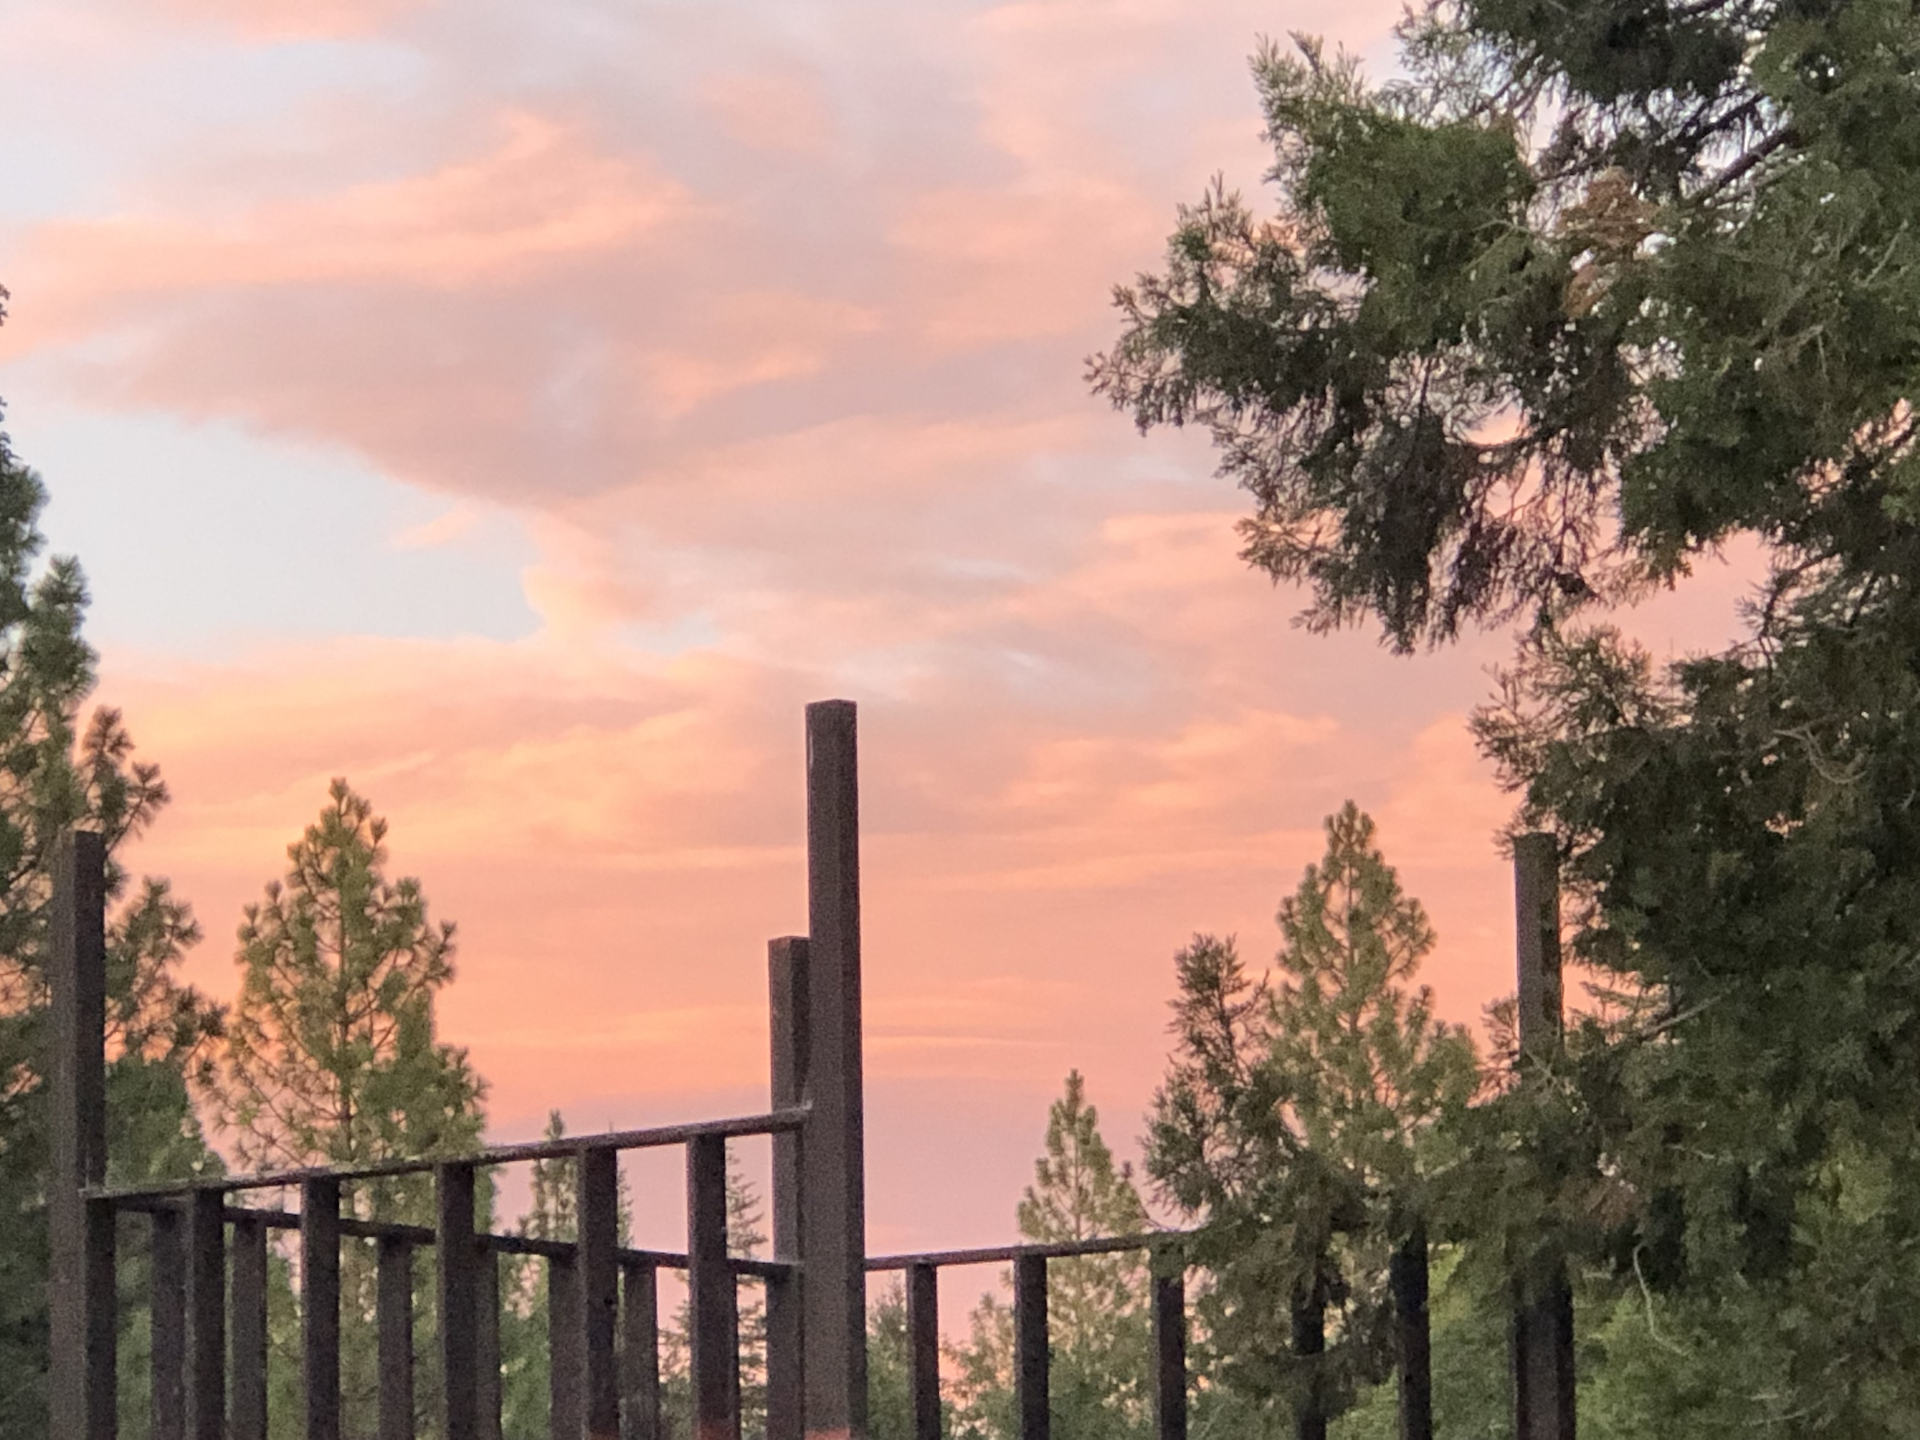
320,1304
1031,1351
487,1377
565,1328
787,1026
1542,1334
206,1226
393,1314
833,1220
84,1327
599,1214
248,1300
1169,1310
167,1252
1407,1278
640,1352
457,1262
923,1350
713,1320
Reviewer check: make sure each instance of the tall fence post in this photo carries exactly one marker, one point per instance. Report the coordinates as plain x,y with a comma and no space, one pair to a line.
393,1310
787,1029
833,1219
713,1319
923,1350
457,1261
248,1323
640,1350
167,1323
320,1304
1169,1351
1542,1334
81,1381
205,1213
566,1334
489,1390
1032,1351
599,1213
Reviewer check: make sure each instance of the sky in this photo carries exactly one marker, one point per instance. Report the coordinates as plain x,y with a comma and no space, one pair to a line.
523,410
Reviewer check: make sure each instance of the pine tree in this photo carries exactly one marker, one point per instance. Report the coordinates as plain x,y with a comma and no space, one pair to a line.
525,1354
62,768
1295,1123
331,1056
1098,1324
1582,295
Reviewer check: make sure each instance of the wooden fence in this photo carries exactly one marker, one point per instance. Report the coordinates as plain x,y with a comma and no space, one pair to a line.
209,1251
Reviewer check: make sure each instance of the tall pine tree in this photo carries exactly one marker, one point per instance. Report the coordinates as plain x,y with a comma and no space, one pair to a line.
60,767
331,1055
1296,1123
1584,294
1096,1304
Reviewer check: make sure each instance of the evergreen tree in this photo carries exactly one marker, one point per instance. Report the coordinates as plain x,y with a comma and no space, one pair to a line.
525,1354
331,1057
1590,292
1295,1127
60,767
1098,1323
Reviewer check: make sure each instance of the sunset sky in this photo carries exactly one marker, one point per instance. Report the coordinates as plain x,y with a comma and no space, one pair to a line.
523,409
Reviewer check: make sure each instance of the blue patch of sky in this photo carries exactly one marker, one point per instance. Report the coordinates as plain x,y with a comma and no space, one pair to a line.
69,138
206,540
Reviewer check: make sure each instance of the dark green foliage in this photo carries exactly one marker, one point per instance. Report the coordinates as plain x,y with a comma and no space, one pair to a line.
331,1057
1596,287
1687,310
1296,1127
1097,1304
57,769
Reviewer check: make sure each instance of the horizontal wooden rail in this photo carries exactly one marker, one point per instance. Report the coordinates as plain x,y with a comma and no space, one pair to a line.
502,1244
1003,1254
777,1122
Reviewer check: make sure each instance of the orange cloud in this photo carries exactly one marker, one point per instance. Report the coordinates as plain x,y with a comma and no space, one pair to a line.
539,196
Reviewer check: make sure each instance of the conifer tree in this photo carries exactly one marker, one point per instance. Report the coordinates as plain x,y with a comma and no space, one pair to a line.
1580,296
1295,1121
525,1353
61,767
1096,1304
331,1055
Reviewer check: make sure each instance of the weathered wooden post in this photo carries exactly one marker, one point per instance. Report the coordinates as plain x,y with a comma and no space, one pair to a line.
923,1351
599,1212
247,1323
80,1232
640,1350
394,1319
833,1226
787,1027
566,1332
1032,1351
167,1323
320,1304
713,1340
1169,1349
1542,1337
457,1263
